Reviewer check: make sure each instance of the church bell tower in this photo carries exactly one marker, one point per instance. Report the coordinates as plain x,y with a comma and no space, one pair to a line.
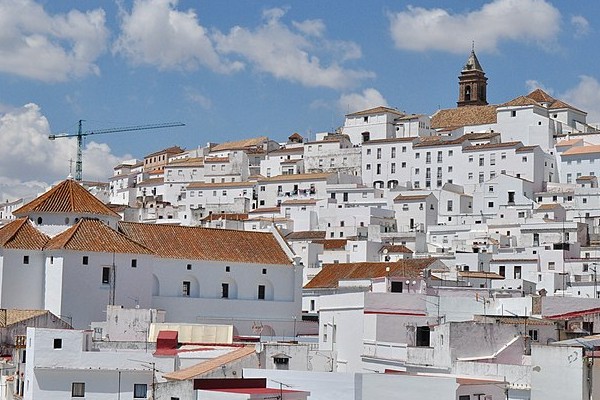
472,83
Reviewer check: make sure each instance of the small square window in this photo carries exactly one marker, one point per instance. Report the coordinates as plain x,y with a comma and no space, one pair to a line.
85,260
140,391
228,269
189,267
58,343
78,389
264,271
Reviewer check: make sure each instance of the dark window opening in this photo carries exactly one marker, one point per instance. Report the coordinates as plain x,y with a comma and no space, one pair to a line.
225,290
261,292
423,336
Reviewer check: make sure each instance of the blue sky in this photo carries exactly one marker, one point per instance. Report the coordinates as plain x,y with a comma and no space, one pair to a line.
237,69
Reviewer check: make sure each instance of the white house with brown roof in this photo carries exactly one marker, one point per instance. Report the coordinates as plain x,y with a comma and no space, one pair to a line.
76,269
284,161
415,212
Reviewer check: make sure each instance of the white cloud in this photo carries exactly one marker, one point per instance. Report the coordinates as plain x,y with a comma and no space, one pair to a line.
421,29
156,33
196,97
369,98
36,45
293,55
585,96
581,25
532,85
28,160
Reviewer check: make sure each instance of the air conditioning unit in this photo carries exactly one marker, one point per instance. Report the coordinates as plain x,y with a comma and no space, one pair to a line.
575,326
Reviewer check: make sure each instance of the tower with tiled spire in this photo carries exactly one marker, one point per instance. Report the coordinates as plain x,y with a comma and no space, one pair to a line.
472,83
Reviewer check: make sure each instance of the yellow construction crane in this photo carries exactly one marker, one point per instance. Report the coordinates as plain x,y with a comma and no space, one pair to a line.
80,134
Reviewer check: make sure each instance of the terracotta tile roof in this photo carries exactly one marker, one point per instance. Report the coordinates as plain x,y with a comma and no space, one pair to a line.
488,146
569,142
550,206
299,202
186,162
520,102
417,197
269,210
297,177
225,216
95,236
295,135
21,234
330,138
216,159
395,248
375,110
587,178
194,243
526,149
481,135
463,116
331,274
578,150
540,96
208,185
152,182
333,244
240,144
287,150
15,316
306,235
559,104
66,197
209,365
480,274
439,141
168,150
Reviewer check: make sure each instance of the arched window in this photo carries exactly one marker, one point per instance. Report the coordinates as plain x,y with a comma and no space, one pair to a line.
39,220
467,93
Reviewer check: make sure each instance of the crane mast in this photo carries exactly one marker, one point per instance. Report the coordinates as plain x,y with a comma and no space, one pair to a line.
81,134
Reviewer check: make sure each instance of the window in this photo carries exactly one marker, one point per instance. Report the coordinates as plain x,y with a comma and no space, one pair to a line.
58,343
105,275
449,207
493,159
393,152
450,153
404,164
261,292
25,259
533,334
481,177
470,175
78,389
439,157
368,167
134,263
227,268
524,159
188,267
378,169
517,272
368,152
513,113
502,270
140,391
186,286
393,168
417,156
225,290
551,265
428,157
264,271
481,161
503,156
379,154
450,168
85,260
